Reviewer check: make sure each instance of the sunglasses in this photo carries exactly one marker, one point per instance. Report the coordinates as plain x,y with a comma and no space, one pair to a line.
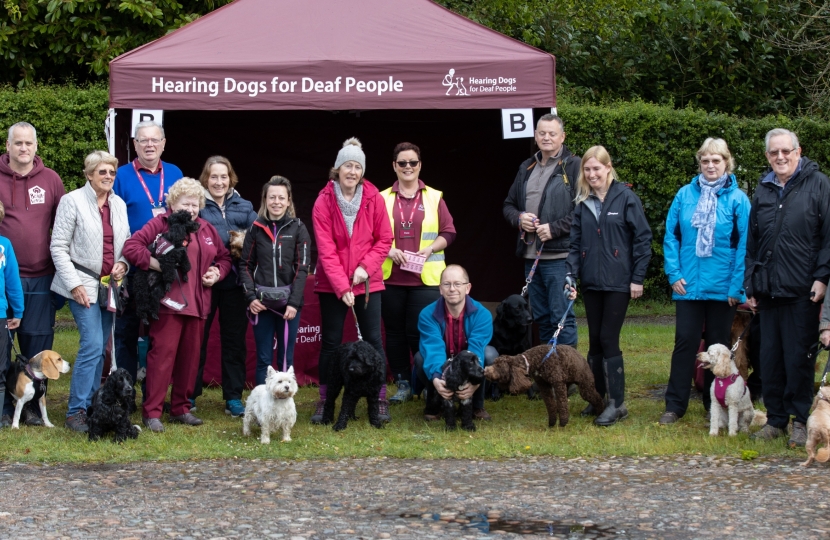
412,163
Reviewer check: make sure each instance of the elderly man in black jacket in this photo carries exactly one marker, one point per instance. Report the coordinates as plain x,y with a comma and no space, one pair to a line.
787,269
540,206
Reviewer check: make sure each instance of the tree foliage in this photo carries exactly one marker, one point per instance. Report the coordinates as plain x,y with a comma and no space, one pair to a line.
76,39
705,53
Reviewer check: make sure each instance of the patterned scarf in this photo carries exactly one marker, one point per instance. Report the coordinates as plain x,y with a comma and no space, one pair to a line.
349,208
706,214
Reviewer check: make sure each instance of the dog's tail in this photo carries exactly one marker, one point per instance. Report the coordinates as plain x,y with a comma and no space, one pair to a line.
759,419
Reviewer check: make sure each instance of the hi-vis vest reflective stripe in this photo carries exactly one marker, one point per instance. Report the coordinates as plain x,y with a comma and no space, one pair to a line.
431,274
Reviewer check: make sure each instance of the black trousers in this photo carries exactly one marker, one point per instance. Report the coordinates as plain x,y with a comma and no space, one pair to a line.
754,342
788,330
400,308
605,311
333,316
692,315
233,327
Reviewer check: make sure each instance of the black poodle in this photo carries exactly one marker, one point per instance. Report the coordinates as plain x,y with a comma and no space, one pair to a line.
512,334
464,368
149,286
112,405
360,371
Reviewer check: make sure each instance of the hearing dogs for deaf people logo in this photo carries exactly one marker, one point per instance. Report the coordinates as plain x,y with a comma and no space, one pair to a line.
477,85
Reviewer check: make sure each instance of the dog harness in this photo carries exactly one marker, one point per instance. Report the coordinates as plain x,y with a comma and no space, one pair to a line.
39,383
722,384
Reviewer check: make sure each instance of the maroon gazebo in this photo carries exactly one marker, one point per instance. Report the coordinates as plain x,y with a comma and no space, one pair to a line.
277,85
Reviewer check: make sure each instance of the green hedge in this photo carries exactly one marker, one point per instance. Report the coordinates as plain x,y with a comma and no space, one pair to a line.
69,121
653,148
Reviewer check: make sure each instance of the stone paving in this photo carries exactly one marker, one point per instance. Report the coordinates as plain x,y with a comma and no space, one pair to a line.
665,498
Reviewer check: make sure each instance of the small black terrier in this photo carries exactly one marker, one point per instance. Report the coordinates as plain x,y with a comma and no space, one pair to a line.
149,286
359,370
464,368
112,405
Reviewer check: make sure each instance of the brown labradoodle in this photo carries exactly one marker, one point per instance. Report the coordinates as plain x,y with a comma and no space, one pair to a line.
516,374
818,428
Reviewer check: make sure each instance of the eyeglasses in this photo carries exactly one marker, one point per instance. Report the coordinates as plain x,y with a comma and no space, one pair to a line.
412,163
715,162
106,172
784,152
454,285
145,142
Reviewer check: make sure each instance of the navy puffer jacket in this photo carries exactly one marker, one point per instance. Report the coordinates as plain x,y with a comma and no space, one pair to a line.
238,215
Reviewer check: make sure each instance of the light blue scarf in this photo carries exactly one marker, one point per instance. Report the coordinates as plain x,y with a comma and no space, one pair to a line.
706,214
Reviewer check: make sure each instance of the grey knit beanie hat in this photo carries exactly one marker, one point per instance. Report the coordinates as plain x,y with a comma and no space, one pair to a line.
351,151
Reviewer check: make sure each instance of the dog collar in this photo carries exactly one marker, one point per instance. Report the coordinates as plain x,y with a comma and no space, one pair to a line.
822,397
31,373
527,365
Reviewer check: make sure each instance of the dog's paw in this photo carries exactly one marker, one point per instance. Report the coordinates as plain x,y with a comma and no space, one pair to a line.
450,427
471,427
339,426
48,424
286,439
378,425
265,440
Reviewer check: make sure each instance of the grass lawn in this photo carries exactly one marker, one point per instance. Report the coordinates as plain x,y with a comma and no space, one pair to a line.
519,426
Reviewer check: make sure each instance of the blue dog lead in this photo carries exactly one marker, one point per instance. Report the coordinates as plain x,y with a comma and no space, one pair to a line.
559,328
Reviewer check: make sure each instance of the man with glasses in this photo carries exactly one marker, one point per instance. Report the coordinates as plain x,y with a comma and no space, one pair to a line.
540,206
787,269
143,184
30,193
453,323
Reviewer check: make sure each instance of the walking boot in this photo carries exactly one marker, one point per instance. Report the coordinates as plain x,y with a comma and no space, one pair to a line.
403,394
317,417
595,363
615,382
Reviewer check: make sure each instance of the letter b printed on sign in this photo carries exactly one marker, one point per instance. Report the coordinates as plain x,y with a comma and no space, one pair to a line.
517,123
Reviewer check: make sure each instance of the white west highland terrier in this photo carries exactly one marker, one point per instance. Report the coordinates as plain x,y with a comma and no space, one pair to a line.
272,405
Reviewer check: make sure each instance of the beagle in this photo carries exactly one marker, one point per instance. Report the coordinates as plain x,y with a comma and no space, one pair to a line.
26,380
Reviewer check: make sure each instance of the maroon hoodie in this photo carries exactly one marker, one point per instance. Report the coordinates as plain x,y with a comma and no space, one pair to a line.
31,202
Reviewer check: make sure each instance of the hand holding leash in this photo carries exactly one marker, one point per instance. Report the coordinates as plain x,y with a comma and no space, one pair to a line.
570,287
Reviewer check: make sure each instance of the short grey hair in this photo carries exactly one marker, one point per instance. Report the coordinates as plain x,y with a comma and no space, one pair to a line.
550,117
24,125
778,132
96,158
148,124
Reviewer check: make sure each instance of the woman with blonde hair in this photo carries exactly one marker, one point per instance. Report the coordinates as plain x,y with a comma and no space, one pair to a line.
177,334
704,250
609,254
87,241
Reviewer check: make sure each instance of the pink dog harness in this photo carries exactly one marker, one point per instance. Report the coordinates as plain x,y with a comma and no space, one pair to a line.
722,384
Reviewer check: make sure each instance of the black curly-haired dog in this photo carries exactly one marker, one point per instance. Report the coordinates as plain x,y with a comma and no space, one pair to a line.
553,375
464,368
112,405
359,370
149,286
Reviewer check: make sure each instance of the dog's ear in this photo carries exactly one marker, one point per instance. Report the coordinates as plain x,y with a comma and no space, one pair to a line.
500,310
49,361
519,380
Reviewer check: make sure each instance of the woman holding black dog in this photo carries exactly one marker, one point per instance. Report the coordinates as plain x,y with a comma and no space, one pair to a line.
704,250
353,238
177,334
274,268
87,241
227,211
421,225
610,252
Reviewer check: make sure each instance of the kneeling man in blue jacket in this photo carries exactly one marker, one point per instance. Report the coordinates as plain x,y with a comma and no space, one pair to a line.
453,323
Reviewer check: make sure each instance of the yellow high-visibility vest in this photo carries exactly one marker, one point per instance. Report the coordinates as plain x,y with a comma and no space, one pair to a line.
434,265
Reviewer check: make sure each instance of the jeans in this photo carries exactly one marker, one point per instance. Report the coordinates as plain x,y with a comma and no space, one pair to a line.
692,315
490,354
94,327
400,308
270,325
333,316
548,301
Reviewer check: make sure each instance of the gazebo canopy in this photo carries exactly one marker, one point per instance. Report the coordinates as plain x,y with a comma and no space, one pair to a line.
333,55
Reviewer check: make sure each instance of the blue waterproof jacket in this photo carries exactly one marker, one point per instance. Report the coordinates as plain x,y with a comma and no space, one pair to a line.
432,324
720,276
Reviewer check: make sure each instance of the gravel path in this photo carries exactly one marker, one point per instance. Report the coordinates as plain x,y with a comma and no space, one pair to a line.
388,498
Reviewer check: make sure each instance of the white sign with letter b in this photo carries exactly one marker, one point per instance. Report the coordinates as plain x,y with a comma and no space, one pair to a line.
517,123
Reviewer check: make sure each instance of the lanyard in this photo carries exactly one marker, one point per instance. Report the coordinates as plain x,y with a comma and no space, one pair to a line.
144,185
407,224
458,341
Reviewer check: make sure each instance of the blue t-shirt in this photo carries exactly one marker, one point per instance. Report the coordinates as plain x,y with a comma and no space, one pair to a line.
128,187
